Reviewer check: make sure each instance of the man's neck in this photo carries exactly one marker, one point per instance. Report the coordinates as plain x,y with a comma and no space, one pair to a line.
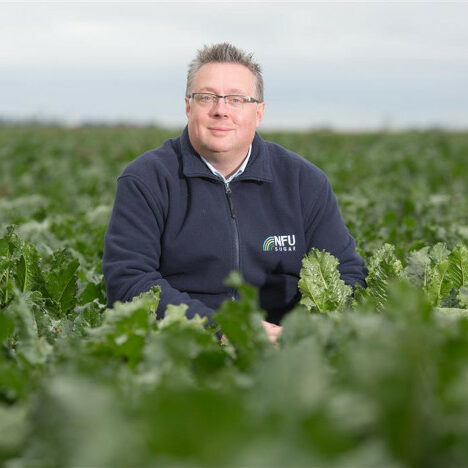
226,169
227,166
228,174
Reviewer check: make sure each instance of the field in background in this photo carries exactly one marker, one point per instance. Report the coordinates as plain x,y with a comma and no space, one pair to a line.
405,188
381,382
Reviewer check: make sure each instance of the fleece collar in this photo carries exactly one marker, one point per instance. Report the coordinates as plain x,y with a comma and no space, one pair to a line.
258,167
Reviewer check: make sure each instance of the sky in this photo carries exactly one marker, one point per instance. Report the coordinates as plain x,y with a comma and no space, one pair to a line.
346,66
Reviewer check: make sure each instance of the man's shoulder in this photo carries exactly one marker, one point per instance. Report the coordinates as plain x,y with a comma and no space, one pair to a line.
162,159
284,161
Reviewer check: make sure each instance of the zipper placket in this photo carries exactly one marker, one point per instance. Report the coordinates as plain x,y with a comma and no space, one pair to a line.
236,232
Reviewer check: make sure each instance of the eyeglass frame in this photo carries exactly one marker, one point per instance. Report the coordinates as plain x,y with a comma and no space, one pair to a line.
248,99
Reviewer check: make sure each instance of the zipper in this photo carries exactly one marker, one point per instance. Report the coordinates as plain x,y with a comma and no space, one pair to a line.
236,233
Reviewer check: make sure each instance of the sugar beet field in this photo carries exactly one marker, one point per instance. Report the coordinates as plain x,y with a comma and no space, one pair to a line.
378,378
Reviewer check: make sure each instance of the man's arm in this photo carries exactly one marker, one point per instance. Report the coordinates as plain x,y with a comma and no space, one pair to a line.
133,248
325,229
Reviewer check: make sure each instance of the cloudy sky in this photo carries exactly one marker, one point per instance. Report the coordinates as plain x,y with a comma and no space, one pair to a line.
341,65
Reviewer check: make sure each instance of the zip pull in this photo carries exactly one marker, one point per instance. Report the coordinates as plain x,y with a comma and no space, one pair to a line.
229,198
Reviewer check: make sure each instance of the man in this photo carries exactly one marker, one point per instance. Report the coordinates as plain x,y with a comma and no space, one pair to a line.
220,198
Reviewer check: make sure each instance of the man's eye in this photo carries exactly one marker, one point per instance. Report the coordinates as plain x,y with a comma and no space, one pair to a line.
236,99
206,99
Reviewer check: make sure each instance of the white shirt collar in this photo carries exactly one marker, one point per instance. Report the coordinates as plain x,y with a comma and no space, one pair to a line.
236,174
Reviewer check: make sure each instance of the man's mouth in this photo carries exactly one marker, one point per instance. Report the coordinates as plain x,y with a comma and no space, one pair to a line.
219,130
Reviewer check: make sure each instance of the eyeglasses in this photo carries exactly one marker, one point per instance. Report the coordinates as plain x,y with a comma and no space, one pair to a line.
235,101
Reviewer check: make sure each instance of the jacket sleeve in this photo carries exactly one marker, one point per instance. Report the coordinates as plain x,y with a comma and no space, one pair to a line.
132,249
325,230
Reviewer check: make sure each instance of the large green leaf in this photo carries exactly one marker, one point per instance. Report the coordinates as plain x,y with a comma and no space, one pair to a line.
28,273
182,351
124,329
175,314
320,283
7,325
10,251
11,243
383,267
418,266
297,325
458,274
241,323
61,281
448,272
13,427
26,344
21,311
78,420
394,367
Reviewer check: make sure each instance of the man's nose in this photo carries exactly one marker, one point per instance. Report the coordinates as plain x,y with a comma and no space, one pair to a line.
220,107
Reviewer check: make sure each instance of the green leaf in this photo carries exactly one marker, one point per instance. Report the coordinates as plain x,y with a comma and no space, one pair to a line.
11,243
13,427
320,283
458,272
393,366
94,289
14,380
182,351
195,427
7,325
241,323
61,281
4,246
383,267
32,349
439,253
451,313
418,266
78,420
125,328
297,325
439,285
10,250
20,310
448,271
298,371
463,296
28,273
176,314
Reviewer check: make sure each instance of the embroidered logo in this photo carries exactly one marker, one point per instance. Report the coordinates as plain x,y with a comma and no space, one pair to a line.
285,243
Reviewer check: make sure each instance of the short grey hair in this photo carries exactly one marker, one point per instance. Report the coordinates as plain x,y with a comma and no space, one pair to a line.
225,53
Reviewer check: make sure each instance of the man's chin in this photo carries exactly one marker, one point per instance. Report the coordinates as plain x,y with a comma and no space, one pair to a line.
218,149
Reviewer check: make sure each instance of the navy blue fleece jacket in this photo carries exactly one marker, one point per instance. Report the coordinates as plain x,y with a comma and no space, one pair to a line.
176,225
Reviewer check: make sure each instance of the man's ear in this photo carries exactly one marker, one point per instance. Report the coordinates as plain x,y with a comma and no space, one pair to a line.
187,106
260,111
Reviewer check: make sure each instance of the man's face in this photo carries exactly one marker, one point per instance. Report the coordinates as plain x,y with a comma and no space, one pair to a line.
219,130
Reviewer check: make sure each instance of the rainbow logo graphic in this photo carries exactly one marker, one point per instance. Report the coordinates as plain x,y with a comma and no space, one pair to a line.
269,244
280,243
